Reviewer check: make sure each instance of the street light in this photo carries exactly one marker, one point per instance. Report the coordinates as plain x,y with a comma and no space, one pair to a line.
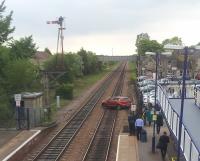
186,50
156,78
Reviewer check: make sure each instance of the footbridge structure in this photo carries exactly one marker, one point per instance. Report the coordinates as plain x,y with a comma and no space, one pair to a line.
190,138
105,58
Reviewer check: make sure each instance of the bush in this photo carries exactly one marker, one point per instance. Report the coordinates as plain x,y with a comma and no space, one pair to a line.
65,91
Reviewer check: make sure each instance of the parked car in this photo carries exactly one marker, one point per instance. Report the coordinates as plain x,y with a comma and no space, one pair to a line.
146,82
163,81
141,78
117,101
147,88
149,98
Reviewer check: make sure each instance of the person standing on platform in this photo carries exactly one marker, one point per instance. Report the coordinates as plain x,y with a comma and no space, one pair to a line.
130,123
159,122
149,116
163,143
139,123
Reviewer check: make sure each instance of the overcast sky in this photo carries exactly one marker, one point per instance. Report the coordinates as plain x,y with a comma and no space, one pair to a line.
100,25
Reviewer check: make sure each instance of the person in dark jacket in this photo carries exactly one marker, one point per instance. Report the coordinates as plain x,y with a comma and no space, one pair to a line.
159,122
163,143
131,124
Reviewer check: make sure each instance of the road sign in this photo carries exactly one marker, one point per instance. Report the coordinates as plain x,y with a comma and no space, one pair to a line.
18,103
133,108
18,97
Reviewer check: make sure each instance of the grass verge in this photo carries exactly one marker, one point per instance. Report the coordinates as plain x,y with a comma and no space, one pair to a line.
82,84
132,66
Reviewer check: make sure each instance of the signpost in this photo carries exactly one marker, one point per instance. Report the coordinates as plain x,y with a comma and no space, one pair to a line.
18,98
133,108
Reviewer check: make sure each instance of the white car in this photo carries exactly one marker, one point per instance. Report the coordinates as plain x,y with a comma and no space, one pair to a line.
163,81
147,98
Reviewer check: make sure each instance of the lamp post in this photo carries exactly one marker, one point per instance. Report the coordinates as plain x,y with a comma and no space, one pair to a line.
155,106
185,49
182,102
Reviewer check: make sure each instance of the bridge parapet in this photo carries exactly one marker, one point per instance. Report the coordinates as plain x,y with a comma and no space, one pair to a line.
105,58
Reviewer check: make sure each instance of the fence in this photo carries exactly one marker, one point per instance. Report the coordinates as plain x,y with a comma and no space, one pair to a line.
188,146
29,117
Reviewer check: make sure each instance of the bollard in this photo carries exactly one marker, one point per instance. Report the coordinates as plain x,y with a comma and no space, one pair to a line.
58,101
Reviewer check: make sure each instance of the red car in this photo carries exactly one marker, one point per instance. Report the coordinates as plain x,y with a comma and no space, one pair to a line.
117,101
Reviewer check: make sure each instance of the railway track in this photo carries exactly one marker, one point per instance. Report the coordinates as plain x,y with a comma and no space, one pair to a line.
99,146
54,149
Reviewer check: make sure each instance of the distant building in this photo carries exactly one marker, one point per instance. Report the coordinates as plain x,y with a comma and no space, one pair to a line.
172,65
40,57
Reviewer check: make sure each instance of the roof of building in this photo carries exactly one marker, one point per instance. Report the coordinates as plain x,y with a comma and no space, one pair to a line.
31,94
41,55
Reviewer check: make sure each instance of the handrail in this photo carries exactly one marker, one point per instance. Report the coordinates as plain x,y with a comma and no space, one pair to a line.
192,143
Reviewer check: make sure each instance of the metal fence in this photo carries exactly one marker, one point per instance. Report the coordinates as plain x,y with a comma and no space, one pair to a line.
29,117
188,146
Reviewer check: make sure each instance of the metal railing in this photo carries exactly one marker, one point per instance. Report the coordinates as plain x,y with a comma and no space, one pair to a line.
188,147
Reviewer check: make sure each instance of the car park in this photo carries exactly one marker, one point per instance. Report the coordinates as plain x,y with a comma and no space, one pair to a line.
117,101
146,82
149,98
147,88
164,81
141,78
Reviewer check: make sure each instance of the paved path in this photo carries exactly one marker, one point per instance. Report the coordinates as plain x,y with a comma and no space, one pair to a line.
145,149
130,149
6,135
127,148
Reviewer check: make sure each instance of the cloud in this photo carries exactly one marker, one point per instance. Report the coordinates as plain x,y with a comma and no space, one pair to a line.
100,25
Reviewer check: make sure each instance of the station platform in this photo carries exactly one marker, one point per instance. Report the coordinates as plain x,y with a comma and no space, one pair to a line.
127,148
131,149
16,143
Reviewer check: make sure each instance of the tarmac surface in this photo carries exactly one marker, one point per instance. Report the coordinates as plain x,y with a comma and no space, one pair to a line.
145,148
12,141
131,149
6,135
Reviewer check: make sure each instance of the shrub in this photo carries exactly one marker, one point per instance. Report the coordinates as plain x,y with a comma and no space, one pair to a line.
65,91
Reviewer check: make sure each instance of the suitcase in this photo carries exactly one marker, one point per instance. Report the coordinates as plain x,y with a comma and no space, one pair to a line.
143,137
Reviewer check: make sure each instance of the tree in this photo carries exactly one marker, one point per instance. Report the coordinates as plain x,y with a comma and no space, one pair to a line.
174,41
4,59
20,75
47,51
5,24
142,36
72,67
23,48
149,46
198,44
90,62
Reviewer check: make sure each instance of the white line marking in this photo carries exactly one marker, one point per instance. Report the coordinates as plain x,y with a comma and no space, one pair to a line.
24,143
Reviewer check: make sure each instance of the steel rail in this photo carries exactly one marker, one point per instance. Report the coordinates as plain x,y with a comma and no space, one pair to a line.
99,146
54,149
